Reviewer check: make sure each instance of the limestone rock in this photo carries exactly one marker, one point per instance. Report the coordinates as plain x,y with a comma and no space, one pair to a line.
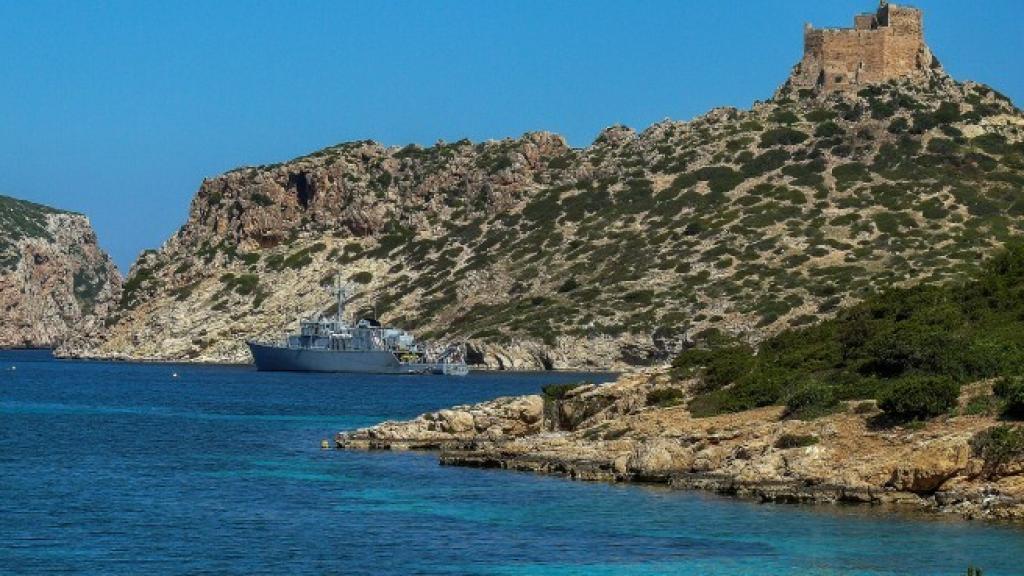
57,287
732,454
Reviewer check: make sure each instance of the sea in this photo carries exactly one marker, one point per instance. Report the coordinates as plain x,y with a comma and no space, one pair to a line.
128,468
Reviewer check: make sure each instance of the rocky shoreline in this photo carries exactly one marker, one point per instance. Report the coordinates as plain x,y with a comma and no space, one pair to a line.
609,433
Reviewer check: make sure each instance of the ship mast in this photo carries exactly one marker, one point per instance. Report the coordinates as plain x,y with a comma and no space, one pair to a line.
342,295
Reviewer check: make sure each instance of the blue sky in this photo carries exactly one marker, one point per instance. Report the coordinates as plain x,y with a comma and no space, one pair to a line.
120,109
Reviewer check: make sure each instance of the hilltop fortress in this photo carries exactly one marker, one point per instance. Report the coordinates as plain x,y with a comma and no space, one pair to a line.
886,44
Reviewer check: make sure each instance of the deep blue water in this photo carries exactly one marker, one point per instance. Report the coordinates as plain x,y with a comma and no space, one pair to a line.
122,468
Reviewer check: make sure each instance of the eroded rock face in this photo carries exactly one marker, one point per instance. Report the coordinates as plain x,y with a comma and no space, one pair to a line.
57,286
616,436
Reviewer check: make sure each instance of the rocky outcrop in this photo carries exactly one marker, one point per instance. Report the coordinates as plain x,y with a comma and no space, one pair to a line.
616,436
57,286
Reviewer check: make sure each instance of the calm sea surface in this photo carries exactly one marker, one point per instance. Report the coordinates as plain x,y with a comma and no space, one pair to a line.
122,468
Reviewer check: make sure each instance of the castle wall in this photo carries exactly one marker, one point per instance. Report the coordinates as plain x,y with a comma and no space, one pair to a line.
904,42
852,57
880,46
864,22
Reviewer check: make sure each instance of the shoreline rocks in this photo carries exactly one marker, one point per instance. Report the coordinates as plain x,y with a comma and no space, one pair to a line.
614,436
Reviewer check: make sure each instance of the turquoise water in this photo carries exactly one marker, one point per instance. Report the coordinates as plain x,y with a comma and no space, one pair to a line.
122,468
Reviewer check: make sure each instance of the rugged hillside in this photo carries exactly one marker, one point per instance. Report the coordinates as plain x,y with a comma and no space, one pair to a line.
615,254
56,284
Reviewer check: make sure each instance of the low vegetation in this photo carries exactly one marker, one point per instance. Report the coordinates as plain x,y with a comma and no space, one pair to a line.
788,441
665,397
998,447
559,391
911,349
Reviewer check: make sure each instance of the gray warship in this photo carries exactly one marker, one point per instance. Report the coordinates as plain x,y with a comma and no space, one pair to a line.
333,344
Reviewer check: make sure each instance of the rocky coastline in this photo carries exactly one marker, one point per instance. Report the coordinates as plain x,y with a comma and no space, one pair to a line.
610,433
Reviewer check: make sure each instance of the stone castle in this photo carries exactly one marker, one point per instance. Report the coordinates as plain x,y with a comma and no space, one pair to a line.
886,44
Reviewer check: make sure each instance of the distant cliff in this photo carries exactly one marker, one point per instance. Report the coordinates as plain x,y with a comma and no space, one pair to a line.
56,284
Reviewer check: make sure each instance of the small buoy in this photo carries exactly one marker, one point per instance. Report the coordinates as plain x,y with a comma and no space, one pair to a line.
325,445
13,368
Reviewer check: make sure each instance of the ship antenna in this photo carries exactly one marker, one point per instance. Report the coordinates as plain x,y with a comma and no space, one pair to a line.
341,297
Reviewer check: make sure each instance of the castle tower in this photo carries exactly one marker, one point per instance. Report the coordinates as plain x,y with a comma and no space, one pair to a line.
886,44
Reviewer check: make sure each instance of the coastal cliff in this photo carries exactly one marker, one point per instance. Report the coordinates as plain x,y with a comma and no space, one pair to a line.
613,256
57,286
616,433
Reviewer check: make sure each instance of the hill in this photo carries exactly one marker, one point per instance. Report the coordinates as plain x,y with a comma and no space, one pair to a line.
748,221
56,284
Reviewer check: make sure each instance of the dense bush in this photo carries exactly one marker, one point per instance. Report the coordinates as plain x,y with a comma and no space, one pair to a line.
909,347
770,160
782,136
362,277
919,398
664,397
810,401
828,130
787,441
1011,391
997,447
715,367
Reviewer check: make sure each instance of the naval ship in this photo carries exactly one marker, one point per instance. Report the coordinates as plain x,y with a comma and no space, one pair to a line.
332,344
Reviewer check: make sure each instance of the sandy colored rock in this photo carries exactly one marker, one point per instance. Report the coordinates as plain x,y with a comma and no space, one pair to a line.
57,286
625,440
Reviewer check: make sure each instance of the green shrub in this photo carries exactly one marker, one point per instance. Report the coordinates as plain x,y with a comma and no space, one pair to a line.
244,285
788,441
1011,391
560,391
998,447
720,179
766,162
810,401
782,136
943,147
847,174
716,367
948,113
756,389
899,125
261,199
250,258
982,405
828,130
362,277
919,398
820,115
783,116
991,143
664,397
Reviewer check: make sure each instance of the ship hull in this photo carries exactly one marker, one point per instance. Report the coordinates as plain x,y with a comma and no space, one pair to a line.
268,358
281,359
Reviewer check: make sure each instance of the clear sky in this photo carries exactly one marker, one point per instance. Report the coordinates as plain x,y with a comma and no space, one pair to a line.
119,109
